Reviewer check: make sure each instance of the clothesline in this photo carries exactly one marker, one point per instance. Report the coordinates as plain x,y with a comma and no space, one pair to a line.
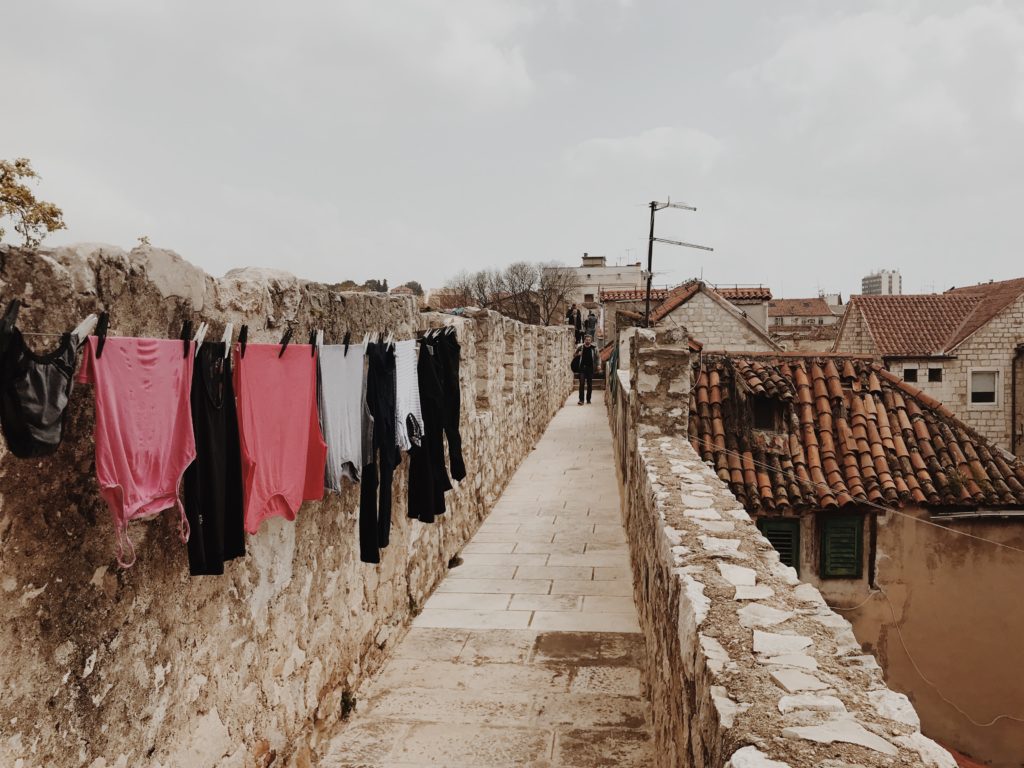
249,435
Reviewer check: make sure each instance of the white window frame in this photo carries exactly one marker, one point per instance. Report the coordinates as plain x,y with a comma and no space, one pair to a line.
999,388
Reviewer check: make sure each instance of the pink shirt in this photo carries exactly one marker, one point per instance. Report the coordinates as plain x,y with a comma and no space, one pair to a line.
143,429
283,451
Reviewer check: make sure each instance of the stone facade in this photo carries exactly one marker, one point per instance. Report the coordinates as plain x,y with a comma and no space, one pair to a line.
992,348
147,666
746,666
718,327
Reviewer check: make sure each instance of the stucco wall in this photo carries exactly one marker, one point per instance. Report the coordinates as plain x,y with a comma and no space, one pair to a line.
745,665
149,667
955,599
714,326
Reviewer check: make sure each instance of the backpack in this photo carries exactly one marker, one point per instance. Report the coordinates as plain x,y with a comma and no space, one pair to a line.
575,364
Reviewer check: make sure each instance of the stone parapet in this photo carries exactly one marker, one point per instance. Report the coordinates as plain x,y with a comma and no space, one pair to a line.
147,666
746,666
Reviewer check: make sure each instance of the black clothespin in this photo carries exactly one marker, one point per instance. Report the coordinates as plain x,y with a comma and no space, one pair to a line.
243,337
312,342
101,332
186,335
346,340
8,322
284,341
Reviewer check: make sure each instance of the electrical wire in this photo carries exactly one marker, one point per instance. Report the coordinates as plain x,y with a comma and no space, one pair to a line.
934,687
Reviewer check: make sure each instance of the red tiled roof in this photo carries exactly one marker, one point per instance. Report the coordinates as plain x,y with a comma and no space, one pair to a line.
914,325
634,294
746,293
993,298
815,307
674,298
851,433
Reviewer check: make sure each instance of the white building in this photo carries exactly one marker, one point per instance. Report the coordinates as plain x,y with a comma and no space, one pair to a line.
596,275
884,282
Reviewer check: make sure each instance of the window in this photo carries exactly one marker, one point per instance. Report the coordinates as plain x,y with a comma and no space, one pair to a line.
934,374
767,414
842,544
910,374
984,386
784,535
588,297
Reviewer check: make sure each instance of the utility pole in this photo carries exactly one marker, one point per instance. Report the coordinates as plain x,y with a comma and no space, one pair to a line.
651,240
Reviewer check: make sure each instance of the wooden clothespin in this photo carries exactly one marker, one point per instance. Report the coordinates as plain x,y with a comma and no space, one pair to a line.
200,336
226,339
84,328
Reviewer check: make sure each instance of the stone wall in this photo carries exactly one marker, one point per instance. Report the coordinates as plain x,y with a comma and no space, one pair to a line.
746,666
149,667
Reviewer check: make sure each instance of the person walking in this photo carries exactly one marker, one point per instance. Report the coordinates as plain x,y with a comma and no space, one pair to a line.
575,318
590,326
588,362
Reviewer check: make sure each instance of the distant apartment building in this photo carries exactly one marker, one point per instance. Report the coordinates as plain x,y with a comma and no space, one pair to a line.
884,282
596,275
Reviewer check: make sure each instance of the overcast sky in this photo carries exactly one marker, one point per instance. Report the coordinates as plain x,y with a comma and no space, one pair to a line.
410,139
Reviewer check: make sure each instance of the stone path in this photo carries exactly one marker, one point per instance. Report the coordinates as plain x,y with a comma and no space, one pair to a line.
528,654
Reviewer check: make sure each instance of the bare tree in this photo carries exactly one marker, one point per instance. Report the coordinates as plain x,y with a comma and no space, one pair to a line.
517,286
556,286
529,292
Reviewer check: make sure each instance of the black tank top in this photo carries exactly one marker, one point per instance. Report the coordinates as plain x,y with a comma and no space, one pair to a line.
34,390
213,482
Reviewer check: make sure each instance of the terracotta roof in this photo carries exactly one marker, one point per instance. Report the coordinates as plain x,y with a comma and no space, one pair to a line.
913,325
993,298
684,292
674,298
634,294
850,433
815,307
746,293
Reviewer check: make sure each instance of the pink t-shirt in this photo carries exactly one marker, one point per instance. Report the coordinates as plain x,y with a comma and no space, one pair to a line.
283,451
143,433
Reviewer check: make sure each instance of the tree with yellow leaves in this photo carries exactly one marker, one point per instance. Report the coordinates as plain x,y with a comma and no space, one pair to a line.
33,219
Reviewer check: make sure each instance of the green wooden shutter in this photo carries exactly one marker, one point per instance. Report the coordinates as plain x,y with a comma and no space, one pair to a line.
784,535
841,546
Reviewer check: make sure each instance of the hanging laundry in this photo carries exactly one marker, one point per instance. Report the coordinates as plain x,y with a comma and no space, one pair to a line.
448,353
342,397
213,482
34,390
143,433
379,465
283,452
408,394
428,479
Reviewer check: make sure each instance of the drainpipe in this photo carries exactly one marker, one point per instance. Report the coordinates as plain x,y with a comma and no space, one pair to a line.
1017,353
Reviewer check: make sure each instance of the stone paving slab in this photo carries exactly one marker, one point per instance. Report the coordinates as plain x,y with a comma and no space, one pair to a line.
529,652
